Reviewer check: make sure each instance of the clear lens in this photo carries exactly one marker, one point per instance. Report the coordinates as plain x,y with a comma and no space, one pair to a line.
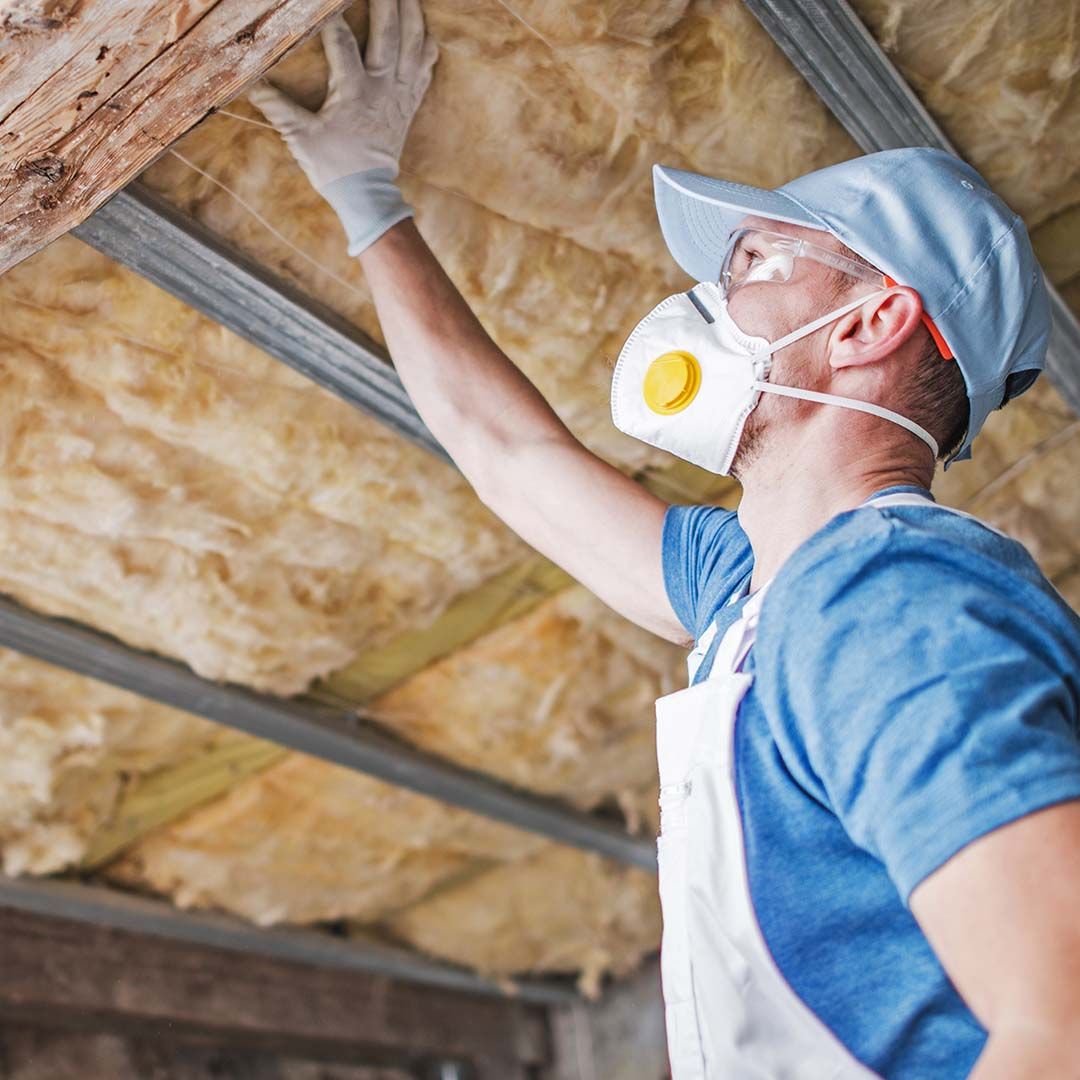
755,255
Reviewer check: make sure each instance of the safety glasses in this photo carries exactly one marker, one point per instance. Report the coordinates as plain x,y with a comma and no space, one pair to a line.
755,255
759,255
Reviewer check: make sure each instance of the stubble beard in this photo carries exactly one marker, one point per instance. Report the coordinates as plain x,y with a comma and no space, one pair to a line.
750,447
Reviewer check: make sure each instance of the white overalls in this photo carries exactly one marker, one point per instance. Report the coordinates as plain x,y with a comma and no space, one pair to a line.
730,1012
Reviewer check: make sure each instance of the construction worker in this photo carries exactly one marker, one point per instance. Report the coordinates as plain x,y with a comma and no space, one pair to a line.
870,794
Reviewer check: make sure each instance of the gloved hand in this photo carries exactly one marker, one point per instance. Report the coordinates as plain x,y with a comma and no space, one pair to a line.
350,148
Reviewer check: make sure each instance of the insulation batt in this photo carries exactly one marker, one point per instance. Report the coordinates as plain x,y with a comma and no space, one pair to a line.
68,745
171,484
307,841
559,701
557,911
168,483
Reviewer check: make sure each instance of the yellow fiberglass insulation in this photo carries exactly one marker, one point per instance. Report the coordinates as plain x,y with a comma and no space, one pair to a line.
166,482
172,485
68,745
307,840
529,168
559,911
1000,77
560,701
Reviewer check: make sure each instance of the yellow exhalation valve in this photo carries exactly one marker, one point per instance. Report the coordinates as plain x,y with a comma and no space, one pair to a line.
671,382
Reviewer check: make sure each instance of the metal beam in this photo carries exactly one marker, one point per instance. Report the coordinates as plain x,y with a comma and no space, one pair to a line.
145,233
99,906
313,728
850,72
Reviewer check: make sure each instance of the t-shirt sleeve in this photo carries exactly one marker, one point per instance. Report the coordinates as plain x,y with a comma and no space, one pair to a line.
920,701
706,555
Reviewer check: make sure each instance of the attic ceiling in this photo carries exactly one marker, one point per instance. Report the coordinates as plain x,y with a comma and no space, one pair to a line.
168,483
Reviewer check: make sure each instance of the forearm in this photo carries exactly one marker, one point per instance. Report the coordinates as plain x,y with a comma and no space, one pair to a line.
475,401
1029,1054
472,398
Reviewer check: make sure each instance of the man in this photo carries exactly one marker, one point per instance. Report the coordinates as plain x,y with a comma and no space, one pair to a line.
870,795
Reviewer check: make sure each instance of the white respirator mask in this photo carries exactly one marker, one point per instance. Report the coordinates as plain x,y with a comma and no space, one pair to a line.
687,378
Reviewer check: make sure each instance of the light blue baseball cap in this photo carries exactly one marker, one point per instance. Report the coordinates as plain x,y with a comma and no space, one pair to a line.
924,218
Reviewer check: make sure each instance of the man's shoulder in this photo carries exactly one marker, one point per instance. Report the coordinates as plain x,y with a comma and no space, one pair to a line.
706,554
911,559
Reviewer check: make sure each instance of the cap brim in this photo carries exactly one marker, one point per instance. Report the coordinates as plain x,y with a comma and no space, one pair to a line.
698,213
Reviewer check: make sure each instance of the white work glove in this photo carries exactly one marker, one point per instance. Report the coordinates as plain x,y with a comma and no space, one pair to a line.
350,148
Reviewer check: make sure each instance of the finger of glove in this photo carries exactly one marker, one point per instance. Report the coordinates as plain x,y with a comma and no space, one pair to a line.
278,108
381,52
412,34
429,55
421,77
342,57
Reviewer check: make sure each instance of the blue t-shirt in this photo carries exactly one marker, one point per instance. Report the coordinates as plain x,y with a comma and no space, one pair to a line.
917,684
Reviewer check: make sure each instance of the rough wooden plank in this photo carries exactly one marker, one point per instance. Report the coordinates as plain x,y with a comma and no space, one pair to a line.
69,974
93,92
44,1049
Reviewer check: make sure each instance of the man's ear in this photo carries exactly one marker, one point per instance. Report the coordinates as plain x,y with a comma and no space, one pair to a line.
875,329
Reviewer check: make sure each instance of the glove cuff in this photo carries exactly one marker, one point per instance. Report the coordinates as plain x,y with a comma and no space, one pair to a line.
367,203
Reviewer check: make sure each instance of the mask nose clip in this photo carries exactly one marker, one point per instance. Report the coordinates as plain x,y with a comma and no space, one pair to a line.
699,305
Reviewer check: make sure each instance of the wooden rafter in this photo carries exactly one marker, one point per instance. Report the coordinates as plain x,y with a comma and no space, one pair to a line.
111,962
92,91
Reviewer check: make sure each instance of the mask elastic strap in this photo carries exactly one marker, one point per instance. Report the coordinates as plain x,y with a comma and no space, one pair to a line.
817,324
853,403
833,399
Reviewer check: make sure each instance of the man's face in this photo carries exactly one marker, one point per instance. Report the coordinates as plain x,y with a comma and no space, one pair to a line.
771,310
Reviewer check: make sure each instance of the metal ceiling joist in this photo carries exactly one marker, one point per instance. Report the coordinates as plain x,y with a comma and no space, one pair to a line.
140,230
332,734
99,906
850,72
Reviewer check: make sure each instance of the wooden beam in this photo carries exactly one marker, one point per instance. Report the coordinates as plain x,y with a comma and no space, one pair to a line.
40,1049
64,973
153,800
93,92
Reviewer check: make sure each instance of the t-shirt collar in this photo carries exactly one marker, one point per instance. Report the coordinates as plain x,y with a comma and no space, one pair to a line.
897,489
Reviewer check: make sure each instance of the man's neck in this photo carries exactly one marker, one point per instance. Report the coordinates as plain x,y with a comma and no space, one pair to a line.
785,505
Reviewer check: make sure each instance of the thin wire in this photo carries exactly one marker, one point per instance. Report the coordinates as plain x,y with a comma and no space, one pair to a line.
270,228
147,345
527,24
404,171
246,119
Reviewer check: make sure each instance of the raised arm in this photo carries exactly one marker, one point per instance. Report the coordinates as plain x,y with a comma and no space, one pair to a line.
600,526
